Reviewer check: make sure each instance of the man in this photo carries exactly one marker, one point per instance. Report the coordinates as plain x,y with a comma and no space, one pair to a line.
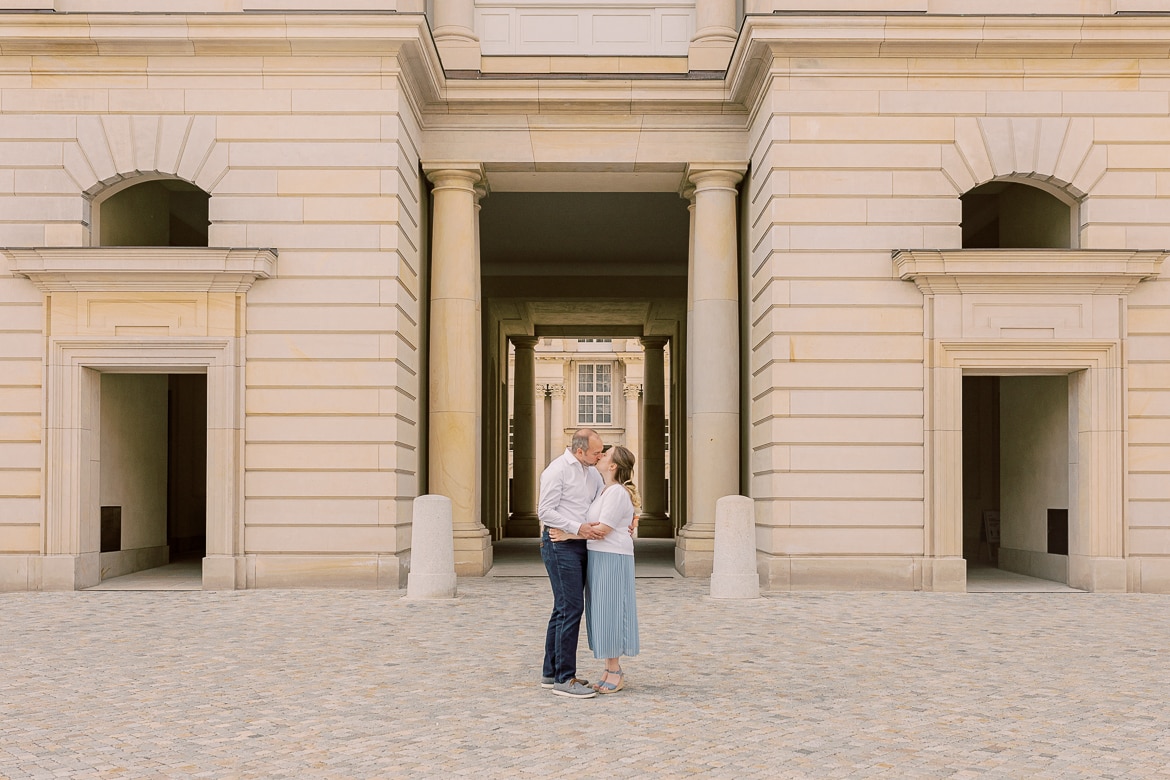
567,488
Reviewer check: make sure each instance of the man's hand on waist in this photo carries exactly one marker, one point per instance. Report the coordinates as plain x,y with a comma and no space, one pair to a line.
591,531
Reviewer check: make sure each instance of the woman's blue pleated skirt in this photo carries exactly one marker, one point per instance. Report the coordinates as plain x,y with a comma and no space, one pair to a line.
611,618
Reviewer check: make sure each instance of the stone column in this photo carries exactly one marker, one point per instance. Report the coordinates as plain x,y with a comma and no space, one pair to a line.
454,453
556,422
654,522
715,34
681,466
633,426
522,521
454,34
713,362
541,431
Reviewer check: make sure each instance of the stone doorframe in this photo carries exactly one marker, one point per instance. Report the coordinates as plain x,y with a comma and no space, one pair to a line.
1029,312
139,310
1096,452
73,441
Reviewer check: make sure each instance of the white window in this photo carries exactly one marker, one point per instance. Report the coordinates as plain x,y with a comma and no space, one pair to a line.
595,393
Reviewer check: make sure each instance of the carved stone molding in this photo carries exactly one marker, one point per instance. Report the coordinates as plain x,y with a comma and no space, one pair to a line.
1025,293
103,269
1095,271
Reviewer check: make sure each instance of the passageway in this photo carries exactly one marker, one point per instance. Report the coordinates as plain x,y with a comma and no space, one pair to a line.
1016,476
153,464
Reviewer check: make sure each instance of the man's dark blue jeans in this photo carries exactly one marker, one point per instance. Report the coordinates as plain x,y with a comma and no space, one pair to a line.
565,563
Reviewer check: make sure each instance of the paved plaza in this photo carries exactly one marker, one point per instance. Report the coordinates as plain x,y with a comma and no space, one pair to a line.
346,684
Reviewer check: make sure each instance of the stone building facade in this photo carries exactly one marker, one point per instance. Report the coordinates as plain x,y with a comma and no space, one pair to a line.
262,263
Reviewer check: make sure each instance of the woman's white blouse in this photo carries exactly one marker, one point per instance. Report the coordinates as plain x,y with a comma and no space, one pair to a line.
615,509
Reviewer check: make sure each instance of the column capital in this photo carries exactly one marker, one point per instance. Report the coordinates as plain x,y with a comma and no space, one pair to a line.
524,342
714,175
632,391
556,391
654,342
457,175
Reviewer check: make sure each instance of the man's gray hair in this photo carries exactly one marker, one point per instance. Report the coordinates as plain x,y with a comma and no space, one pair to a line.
581,439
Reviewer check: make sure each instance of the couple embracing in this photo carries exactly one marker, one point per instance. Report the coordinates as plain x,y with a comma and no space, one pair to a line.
587,514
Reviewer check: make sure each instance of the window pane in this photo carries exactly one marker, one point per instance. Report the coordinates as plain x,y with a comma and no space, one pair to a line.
603,379
585,379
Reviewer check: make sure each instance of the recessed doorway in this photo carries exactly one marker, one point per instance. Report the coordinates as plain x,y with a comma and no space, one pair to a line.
1017,472
152,475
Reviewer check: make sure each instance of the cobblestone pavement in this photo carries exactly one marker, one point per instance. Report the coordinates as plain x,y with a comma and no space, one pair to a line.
316,684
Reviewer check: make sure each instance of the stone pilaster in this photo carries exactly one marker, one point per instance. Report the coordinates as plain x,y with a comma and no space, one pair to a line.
654,522
713,361
633,426
455,361
556,421
523,520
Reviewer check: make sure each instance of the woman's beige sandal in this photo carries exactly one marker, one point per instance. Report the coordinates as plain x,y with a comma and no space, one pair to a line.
608,687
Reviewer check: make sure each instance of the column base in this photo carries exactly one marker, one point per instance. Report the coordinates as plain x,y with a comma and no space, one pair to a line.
694,553
522,525
458,48
473,552
225,572
711,50
1097,575
944,575
70,572
655,525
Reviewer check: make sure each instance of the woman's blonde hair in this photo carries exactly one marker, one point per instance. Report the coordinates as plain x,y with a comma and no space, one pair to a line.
624,460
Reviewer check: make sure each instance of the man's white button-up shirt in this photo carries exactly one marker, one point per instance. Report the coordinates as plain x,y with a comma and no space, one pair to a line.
567,488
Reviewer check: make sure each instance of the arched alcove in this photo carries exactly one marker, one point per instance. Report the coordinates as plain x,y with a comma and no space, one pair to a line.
1013,215
154,212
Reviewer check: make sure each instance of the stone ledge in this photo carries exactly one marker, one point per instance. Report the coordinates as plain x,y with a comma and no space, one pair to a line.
100,269
1098,271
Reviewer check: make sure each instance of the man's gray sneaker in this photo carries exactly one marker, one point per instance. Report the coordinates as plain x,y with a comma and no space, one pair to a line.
546,682
574,688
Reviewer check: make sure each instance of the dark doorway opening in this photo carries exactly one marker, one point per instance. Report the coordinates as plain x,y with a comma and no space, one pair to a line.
187,467
1016,474
153,466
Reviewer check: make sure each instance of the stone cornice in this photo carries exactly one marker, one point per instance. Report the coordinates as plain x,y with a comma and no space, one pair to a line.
103,269
868,42
234,34
402,41
1096,271
837,44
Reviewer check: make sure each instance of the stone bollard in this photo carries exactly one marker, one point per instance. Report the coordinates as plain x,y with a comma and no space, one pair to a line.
432,550
734,574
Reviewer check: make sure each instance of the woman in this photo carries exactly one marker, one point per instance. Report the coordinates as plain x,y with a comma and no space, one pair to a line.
611,617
